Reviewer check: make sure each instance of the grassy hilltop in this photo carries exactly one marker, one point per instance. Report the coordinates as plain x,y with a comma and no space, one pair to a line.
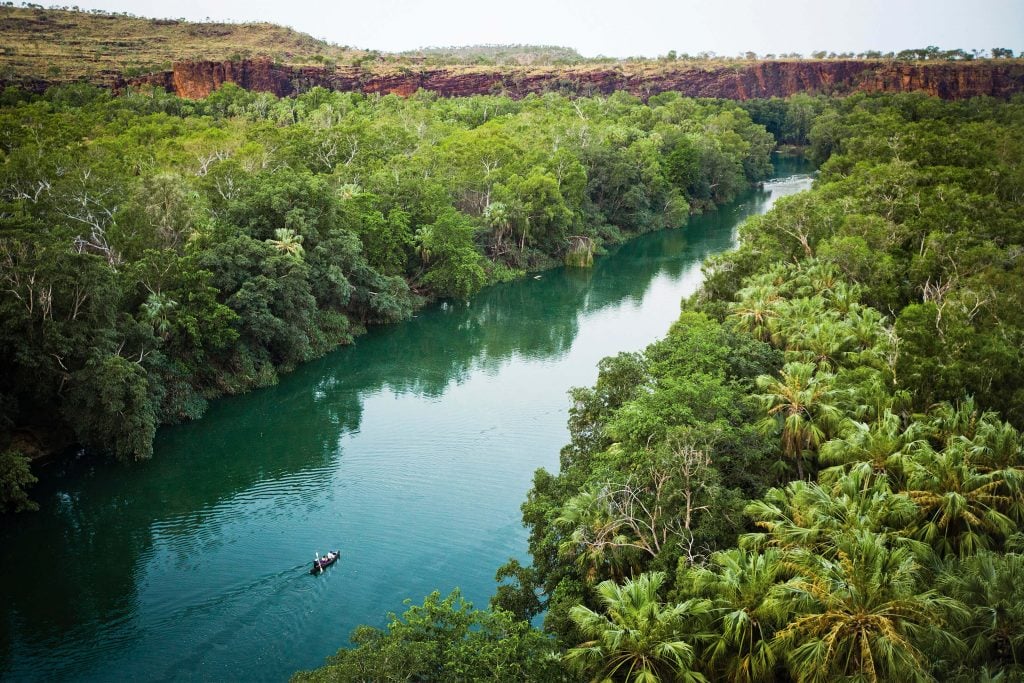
58,46
68,45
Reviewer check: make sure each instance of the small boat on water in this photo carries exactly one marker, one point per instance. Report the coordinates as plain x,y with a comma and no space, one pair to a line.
321,563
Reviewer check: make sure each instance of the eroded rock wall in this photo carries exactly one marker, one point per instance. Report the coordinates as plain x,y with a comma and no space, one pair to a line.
761,79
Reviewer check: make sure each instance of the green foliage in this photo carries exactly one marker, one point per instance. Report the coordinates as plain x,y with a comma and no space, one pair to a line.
15,478
867,331
520,597
639,638
799,404
865,615
788,120
748,608
906,209
109,404
158,252
992,588
455,267
444,640
664,449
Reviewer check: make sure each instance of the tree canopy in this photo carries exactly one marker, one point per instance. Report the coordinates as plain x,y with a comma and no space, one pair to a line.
157,252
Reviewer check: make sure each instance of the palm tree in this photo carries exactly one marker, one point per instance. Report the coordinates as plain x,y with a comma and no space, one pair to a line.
867,326
424,240
884,444
288,242
496,215
963,509
801,403
870,397
963,419
157,310
863,615
349,191
755,308
844,297
997,449
992,587
792,316
593,540
809,517
822,277
825,344
638,638
744,588
996,445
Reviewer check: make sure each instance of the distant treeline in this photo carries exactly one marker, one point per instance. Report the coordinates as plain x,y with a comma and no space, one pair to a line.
930,53
496,54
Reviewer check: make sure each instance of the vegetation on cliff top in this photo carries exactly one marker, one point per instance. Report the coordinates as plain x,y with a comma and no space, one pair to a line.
501,55
61,46
55,46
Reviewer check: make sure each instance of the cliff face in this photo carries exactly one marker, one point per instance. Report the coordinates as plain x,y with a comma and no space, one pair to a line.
762,79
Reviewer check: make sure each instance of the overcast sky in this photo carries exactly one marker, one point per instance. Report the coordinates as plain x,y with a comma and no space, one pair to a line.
622,28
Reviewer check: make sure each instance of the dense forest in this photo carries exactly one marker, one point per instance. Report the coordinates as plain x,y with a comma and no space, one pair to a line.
157,252
817,474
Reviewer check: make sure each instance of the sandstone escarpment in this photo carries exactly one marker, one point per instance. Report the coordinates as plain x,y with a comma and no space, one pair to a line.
195,79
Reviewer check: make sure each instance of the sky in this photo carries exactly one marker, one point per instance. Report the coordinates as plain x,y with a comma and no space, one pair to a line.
623,28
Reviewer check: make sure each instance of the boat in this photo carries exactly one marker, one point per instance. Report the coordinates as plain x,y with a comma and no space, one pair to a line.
321,563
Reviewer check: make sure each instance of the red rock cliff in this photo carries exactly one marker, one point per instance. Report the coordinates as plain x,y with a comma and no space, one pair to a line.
761,79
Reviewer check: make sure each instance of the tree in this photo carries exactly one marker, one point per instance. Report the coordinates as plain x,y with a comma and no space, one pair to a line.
519,598
110,406
992,588
594,537
15,478
744,588
497,217
638,638
619,379
963,510
800,404
156,310
288,243
885,444
443,640
614,526
864,615
812,517
825,344
455,265
755,308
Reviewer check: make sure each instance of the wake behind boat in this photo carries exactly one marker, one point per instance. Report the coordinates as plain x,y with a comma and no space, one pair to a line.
321,563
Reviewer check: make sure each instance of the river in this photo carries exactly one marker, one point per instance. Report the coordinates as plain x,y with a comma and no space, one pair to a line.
410,451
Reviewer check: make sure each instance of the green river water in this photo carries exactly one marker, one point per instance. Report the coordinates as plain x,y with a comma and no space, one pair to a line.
410,451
